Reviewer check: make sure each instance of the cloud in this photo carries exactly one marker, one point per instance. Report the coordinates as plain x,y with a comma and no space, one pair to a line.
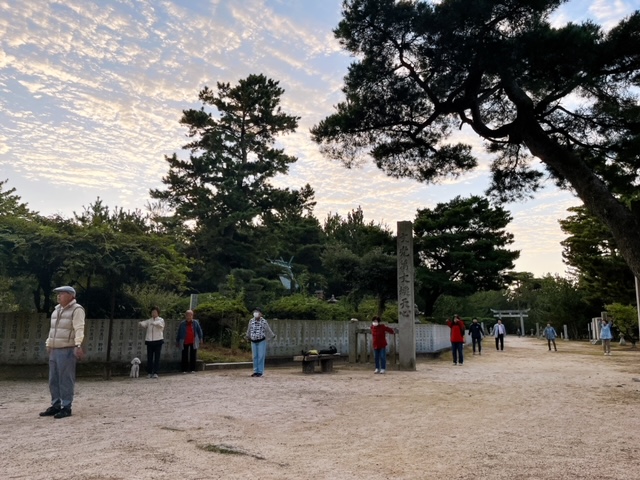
91,94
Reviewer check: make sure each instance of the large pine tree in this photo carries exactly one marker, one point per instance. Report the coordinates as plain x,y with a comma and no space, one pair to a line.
222,193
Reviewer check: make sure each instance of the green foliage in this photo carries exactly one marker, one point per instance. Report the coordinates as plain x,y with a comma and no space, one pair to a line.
461,247
8,299
10,204
480,304
359,259
625,319
368,308
592,252
301,307
38,248
423,69
224,200
222,319
551,299
357,235
171,304
446,306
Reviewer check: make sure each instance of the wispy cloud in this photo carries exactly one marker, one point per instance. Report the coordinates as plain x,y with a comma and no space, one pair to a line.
91,94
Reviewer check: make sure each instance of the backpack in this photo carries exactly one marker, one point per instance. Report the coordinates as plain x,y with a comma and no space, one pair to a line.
329,351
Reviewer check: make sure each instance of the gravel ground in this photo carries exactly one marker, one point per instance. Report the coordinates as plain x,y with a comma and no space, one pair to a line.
525,413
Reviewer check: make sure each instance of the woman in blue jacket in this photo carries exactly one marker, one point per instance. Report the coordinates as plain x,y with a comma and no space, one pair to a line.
606,336
188,339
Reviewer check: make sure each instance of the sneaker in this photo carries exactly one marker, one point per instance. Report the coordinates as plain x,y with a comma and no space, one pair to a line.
253,374
64,412
382,370
376,371
455,363
258,375
155,375
50,412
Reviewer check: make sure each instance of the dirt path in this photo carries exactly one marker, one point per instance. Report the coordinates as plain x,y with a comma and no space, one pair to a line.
524,413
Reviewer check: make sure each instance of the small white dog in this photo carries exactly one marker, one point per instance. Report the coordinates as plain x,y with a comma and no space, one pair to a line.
135,368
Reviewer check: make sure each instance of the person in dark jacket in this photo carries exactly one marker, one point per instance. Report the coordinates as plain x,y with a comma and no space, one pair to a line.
457,339
477,334
379,338
188,339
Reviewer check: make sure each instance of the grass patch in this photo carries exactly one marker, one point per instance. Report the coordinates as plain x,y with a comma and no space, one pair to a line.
215,353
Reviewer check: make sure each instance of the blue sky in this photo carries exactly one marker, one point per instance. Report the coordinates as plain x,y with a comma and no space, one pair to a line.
91,93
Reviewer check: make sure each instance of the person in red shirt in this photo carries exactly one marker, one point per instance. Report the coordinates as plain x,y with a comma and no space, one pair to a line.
188,339
379,337
457,339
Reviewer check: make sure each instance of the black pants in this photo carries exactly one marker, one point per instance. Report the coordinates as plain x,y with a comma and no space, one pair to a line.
153,356
500,340
189,355
477,341
549,340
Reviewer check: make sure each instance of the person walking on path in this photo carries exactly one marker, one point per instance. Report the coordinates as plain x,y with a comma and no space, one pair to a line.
457,339
499,331
477,334
258,332
64,345
550,334
188,340
606,336
153,339
379,339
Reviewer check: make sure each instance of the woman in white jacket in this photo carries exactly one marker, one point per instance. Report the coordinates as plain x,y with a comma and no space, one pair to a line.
154,339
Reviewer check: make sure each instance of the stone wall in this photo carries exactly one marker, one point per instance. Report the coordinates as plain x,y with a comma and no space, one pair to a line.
22,338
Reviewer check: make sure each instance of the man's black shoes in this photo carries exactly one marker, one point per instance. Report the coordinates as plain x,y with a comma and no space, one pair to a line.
50,412
64,412
56,412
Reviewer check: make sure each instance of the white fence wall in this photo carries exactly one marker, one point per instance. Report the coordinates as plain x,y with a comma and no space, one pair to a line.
22,338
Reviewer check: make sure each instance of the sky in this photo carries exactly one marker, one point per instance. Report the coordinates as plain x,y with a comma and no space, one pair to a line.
91,94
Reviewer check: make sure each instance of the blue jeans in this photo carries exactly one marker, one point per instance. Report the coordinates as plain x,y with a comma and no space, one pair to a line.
380,357
62,376
457,349
259,351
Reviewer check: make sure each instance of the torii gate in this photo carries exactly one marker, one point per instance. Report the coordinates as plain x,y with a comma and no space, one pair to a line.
522,314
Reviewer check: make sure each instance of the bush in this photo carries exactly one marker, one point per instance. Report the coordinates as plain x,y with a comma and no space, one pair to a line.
302,307
171,304
223,319
368,308
306,307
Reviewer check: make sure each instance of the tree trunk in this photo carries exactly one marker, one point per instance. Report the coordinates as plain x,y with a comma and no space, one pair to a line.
595,195
429,296
624,225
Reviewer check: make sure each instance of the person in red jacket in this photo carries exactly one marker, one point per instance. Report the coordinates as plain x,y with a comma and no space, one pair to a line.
457,339
379,336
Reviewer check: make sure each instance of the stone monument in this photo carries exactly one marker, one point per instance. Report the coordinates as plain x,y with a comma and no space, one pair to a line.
406,296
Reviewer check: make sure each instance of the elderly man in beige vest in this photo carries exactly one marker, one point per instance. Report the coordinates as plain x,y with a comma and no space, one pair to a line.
64,345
